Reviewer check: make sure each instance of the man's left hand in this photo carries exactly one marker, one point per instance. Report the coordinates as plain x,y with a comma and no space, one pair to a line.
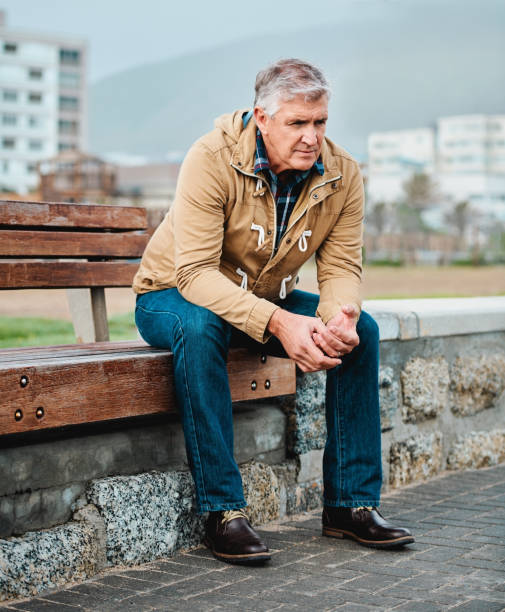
342,336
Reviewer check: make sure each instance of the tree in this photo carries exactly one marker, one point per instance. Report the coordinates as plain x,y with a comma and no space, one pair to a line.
377,219
420,191
459,217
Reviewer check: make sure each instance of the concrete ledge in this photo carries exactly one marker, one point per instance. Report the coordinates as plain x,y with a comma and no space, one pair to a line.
410,319
40,481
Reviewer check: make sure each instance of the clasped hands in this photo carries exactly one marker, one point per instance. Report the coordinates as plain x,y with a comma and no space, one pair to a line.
311,344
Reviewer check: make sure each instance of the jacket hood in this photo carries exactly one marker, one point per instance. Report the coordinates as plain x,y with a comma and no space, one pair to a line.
231,123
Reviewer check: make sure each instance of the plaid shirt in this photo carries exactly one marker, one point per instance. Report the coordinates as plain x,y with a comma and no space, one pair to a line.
286,187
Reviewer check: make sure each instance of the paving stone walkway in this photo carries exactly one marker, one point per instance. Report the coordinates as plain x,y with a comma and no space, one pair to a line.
457,563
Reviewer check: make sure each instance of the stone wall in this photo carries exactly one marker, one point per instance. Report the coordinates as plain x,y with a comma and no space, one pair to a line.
76,501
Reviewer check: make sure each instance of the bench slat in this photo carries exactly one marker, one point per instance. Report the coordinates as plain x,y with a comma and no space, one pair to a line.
66,275
76,216
24,243
84,388
63,350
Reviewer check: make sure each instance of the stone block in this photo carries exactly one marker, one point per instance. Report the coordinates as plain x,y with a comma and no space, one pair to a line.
304,497
415,459
44,560
389,397
286,473
146,516
296,496
262,492
425,385
38,509
476,383
477,449
310,466
260,433
306,413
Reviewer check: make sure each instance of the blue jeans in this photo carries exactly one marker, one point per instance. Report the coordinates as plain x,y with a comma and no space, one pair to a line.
200,341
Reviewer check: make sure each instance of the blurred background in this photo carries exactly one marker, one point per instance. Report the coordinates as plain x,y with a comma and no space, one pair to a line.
99,102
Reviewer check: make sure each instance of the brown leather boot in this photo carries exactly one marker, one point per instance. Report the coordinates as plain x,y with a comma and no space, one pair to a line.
231,538
365,525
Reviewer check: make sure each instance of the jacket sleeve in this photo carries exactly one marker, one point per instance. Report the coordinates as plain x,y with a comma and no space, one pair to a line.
199,229
338,259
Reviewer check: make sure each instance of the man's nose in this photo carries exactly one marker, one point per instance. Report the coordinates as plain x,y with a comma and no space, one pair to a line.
309,136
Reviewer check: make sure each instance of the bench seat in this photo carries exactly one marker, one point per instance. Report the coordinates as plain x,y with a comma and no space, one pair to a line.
56,386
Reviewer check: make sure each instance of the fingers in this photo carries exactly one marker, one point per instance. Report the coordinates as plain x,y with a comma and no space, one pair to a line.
310,358
332,347
322,363
348,338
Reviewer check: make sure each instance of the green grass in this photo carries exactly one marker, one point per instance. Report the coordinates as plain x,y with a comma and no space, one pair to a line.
25,331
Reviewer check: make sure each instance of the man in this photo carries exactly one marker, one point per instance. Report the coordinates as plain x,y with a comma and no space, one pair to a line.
256,197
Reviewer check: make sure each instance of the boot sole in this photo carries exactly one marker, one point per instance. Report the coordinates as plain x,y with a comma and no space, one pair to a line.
331,532
250,559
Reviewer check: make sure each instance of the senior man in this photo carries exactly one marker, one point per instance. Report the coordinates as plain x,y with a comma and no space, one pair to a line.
255,199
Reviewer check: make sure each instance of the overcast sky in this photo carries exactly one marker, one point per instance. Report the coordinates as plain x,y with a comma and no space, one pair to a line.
126,33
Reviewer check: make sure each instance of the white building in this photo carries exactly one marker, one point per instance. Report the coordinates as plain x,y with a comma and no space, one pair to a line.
471,161
43,105
394,156
465,157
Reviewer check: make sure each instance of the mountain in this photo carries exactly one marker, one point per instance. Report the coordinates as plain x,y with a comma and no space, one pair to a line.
402,68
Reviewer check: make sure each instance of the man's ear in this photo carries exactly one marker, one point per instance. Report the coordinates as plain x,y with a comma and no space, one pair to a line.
261,119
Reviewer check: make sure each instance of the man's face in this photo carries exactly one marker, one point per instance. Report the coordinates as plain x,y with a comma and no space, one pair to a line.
294,135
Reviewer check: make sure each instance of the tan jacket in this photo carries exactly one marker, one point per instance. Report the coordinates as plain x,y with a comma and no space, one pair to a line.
216,243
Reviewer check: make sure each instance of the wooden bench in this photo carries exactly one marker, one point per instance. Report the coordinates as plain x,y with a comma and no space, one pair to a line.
84,249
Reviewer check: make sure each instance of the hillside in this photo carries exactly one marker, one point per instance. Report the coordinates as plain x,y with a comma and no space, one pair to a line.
402,68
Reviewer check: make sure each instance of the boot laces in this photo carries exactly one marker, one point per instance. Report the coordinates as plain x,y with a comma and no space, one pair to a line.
229,515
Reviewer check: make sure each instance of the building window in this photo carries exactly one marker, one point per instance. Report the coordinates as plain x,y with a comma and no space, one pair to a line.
68,127
34,97
10,47
35,74
31,168
66,146
34,121
9,95
9,119
70,80
69,103
70,57
35,145
5,166
8,143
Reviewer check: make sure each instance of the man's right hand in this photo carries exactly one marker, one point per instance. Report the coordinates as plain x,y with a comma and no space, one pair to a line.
295,333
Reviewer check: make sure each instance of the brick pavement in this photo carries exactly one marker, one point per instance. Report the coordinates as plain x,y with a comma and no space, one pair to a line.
457,563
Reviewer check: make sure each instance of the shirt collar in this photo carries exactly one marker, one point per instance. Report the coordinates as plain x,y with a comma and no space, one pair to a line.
261,160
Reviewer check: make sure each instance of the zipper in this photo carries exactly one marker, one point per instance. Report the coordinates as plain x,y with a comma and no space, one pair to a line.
332,180
273,201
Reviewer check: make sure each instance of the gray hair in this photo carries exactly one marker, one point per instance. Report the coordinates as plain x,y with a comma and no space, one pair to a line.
286,79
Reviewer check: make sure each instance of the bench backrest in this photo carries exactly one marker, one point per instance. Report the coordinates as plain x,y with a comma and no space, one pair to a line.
53,245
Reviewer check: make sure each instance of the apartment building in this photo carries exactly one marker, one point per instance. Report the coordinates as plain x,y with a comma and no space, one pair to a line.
43,102
394,156
465,156
471,160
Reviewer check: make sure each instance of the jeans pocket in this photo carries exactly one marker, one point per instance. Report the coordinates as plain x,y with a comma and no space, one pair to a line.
156,328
